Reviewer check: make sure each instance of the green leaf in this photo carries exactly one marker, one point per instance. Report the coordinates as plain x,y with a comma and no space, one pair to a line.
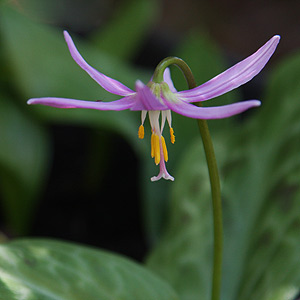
23,164
288,292
124,34
45,269
275,245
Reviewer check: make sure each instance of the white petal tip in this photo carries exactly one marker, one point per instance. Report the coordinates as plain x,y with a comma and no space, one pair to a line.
156,178
277,37
66,34
30,101
275,40
139,84
256,103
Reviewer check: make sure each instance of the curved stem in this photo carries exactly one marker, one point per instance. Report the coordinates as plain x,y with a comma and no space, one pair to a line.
158,75
213,173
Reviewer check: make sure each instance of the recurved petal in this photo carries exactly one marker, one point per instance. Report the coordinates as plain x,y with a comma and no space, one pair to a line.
206,113
111,85
235,76
124,103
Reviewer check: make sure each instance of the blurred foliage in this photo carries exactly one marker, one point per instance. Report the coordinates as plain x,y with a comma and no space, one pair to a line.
24,153
74,272
141,14
258,156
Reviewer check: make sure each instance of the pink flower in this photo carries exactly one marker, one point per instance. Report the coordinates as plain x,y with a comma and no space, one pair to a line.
159,99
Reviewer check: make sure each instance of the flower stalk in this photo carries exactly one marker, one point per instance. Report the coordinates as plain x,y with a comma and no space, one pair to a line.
212,169
217,208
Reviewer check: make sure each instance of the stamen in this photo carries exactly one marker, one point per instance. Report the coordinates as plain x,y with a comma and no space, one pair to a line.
141,132
172,135
163,120
152,145
165,151
156,148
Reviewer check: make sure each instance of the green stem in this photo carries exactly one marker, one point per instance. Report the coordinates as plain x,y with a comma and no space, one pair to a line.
217,208
213,174
158,75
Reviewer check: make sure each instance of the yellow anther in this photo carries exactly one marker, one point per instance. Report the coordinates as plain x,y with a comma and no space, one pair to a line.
172,135
152,145
165,151
155,148
141,132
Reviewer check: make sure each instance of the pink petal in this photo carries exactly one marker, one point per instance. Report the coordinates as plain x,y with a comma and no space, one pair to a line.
145,99
206,113
111,85
168,80
235,76
124,103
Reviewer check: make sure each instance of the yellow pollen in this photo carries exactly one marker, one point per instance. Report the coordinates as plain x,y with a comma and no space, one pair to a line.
152,145
155,148
172,135
141,132
165,151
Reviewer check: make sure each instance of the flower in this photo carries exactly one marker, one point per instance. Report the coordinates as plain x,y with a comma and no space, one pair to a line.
159,99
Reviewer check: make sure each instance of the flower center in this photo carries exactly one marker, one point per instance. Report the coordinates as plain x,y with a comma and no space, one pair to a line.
158,144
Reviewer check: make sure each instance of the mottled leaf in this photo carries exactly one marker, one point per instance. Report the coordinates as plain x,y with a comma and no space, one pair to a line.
45,269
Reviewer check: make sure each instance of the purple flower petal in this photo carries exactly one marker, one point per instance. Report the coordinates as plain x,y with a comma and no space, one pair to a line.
124,103
168,80
207,113
234,76
145,99
111,85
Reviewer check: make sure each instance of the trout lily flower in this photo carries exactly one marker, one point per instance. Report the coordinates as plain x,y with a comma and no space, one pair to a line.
158,99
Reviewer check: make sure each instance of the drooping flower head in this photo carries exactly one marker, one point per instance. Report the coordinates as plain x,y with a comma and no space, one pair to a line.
159,97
